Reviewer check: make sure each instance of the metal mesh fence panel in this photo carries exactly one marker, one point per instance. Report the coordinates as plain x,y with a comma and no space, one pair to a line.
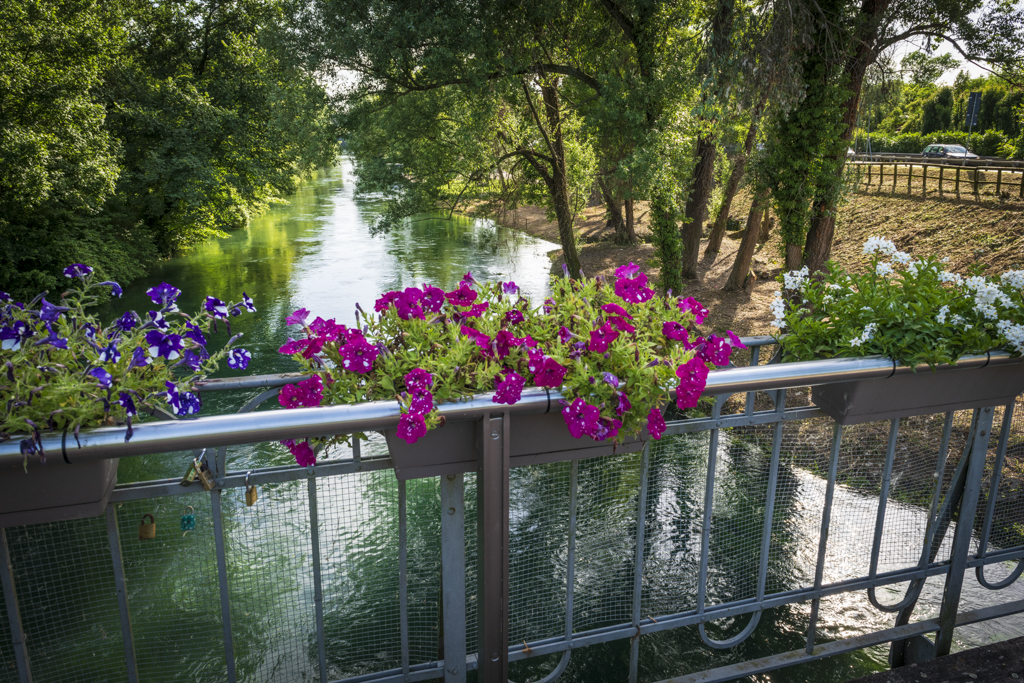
675,505
8,668
173,591
538,550
64,581
605,540
270,577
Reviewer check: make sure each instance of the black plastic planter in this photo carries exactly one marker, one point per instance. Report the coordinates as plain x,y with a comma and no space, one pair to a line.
535,439
55,491
922,393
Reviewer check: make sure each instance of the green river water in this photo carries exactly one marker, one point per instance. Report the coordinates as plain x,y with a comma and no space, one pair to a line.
316,252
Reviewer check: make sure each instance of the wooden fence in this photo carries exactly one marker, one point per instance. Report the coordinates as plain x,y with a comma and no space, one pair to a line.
937,179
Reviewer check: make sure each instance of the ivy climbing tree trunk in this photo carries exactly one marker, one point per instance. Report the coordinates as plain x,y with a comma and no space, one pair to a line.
745,254
667,244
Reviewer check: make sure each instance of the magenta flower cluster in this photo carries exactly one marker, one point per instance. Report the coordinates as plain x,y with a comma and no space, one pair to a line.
412,425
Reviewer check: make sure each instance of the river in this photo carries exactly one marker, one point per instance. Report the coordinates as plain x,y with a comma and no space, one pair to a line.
316,252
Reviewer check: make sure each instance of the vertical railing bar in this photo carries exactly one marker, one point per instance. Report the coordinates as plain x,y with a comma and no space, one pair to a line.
964,530
709,497
570,578
826,521
997,469
769,513
453,576
222,582
13,614
127,638
638,561
357,450
403,577
755,358
883,496
318,584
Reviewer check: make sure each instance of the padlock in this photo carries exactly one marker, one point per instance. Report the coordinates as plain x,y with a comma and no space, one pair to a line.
190,475
250,491
205,477
147,530
188,519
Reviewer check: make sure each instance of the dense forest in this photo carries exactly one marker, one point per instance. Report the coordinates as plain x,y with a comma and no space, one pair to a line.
130,129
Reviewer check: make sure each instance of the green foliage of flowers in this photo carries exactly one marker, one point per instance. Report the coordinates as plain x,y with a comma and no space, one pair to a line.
910,310
61,369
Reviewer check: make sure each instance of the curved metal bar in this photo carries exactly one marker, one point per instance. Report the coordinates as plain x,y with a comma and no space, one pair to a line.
993,493
755,617
563,663
876,544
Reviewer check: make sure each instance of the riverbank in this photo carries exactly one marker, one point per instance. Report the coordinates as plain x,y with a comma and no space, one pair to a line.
971,234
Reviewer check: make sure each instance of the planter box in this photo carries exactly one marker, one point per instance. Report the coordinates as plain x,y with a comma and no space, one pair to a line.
535,439
55,491
922,393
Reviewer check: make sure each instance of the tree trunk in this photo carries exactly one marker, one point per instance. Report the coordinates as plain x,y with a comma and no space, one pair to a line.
614,208
630,222
718,232
818,244
794,256
745,254
697,205
558,185
766,224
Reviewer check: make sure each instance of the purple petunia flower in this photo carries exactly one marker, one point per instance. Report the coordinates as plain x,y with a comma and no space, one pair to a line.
733,340
327,330
89,330
418,380
550,374
411,427
433,298
694,306
408,304
509,389
110,354
615,309
4,297
77,270
549,305
195,333
139,359
565,270
297,318
468,279
305,394
578,349
504,342
601,338
304,454
126,322
238,359
50,312
168,346
12,337
102,376
620,324
655,423
156,318
115,288
610,379
513,317
564,335
422,403
510,288
628,270
216,307
673,330
624,404
126,402
164,294
716,351
634,291
463,296
693,377
249,304
358,355
580,417
53,339
191,360
605,429
476,310
382,303
479,338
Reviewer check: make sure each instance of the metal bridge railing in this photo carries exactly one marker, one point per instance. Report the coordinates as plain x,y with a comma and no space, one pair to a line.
342,573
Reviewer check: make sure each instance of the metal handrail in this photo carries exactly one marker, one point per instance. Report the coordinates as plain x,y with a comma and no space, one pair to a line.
276,425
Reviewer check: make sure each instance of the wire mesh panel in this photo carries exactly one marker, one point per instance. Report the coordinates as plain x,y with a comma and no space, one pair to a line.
538,550
173,590
270,577
65,586
8,667
605,540
358,517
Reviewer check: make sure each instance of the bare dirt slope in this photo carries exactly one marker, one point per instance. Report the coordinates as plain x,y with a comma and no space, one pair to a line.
988,235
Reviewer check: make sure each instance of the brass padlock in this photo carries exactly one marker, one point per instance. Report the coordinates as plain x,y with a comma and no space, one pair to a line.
190,475
205,476
147,530
250,491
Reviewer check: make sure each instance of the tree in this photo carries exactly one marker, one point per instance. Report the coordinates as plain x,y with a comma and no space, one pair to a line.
920,69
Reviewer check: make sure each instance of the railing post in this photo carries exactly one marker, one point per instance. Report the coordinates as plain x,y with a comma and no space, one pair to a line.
318,585
492,535
638,562
453,577
13,615
127,637
222,582
964,530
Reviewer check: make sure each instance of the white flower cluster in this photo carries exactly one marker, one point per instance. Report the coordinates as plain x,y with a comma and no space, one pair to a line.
778,309
794,279
901,257
986,295
946,276
941,317
868,333
883,269
1014,334
914,266
880,245
1013,278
